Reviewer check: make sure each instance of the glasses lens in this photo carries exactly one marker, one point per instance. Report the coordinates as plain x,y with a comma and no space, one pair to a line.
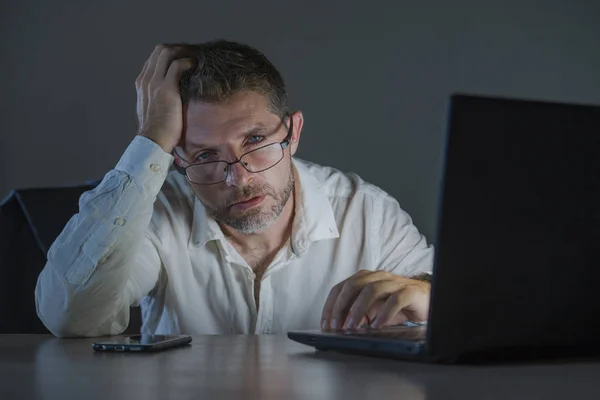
262,158
206,174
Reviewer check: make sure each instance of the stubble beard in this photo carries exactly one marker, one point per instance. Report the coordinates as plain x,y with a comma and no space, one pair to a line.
255,219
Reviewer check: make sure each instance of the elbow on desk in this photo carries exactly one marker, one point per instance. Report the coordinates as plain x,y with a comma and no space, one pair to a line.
63,324
54,317
60,329
59,314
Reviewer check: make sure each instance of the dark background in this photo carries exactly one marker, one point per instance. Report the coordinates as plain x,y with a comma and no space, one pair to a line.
373,78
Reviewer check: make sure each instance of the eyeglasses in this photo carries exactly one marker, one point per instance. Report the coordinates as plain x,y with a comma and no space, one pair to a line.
257,160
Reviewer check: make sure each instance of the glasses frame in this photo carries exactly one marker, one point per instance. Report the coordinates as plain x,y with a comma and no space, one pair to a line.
284,144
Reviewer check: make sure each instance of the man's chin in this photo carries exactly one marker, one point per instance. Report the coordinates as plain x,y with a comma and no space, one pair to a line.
247,214
250,226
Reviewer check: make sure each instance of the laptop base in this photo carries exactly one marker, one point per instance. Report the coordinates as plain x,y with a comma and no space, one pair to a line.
413,350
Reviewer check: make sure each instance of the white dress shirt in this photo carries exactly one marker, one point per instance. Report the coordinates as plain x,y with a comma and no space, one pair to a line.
142,237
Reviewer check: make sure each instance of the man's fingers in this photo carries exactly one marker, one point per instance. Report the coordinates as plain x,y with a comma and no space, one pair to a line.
168,54
144,69
368,296
329,303
410,303
138,80
332,297
142,94
150,66
392,308
177,68
350,291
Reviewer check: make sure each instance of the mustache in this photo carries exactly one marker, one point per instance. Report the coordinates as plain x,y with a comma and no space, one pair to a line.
248,192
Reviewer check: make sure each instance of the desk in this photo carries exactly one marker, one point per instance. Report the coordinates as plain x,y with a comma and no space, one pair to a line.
266,367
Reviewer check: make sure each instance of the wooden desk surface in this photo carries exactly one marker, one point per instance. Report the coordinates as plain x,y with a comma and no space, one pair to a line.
266,367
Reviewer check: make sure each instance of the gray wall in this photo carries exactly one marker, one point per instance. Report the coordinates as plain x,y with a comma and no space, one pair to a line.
372,78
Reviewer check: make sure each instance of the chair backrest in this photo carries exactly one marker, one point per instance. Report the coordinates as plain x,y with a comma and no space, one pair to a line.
30,221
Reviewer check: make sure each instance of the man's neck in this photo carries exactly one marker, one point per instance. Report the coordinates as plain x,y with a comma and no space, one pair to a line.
269,240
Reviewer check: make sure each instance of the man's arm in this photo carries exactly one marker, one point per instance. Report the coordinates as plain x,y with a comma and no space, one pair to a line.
397,291
103,261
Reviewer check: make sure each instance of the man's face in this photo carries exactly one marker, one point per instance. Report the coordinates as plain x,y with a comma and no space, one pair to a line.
248,202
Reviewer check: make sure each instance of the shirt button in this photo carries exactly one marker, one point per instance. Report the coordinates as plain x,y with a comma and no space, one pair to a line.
155,167
119,221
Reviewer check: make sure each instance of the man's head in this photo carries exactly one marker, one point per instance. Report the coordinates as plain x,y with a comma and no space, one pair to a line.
235,102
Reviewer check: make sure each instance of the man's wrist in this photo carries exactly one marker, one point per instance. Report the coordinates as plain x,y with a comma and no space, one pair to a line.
164,145
423,277
146,163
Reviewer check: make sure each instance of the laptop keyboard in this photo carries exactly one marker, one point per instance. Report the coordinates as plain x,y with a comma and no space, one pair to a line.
412,333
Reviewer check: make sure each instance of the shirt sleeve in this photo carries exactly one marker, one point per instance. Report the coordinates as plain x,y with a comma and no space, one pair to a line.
104,260
402,249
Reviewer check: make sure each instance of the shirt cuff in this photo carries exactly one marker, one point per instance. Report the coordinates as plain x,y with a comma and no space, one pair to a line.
146,163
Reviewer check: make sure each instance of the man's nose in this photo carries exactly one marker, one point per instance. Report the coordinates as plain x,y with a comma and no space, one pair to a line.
238,175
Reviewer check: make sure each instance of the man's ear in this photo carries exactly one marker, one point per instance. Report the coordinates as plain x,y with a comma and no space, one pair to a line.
298,119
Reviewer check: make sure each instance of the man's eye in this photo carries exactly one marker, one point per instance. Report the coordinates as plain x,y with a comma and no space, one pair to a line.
204,156
255,139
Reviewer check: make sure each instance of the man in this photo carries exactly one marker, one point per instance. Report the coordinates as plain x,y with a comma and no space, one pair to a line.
241,237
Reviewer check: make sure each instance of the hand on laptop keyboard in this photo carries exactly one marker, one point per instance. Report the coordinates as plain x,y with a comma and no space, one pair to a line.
375,298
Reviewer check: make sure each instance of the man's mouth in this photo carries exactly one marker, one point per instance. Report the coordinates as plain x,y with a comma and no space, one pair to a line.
248,203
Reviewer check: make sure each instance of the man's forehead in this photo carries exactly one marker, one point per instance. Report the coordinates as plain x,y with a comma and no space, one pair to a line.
227,125
235,112
237,104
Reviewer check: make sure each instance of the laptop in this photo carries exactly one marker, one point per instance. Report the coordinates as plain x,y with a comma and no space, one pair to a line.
517,262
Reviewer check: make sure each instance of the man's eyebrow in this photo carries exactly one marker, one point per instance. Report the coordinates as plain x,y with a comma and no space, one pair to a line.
259,128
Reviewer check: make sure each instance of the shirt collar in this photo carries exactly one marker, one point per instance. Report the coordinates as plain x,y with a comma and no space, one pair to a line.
313,220
204,227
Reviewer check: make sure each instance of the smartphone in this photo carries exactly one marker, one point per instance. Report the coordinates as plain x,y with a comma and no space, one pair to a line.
142,343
